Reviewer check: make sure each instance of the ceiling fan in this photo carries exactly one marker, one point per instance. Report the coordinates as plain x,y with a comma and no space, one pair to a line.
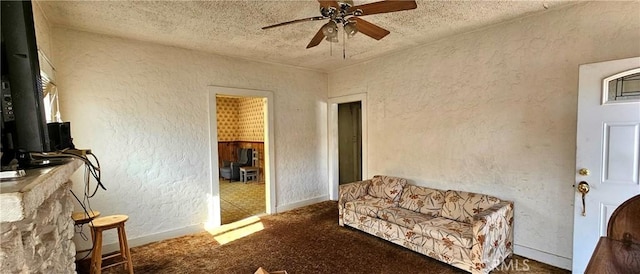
344,13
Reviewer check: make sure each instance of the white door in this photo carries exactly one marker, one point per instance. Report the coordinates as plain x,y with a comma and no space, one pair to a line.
608,147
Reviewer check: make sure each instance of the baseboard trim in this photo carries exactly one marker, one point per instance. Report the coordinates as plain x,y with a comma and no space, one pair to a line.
541,256
295,205
112,247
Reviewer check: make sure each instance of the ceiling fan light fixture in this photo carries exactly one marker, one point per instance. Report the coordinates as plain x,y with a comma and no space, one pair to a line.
350,28
330,30
332,39
347,15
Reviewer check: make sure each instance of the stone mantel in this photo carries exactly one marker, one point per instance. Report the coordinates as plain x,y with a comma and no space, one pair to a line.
18,198
36,228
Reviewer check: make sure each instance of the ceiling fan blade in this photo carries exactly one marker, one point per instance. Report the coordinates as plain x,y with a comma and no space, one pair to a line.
385,6
369,29
328,3
316,39
315,18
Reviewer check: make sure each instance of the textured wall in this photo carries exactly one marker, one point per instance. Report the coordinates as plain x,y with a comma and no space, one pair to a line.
43,32
494,111
143,109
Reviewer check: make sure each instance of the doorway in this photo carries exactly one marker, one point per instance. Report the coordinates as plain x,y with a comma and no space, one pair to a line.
349,142
227,146
353,166
240,156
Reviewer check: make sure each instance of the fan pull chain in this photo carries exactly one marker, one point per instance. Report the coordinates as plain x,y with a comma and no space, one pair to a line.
344,45
330,49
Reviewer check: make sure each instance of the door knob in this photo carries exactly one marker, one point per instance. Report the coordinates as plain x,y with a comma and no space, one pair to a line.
583,188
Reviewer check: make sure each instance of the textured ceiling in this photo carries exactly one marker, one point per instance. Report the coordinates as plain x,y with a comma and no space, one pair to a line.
233,28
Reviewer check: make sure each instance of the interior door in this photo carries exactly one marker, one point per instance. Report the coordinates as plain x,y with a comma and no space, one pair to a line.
608,149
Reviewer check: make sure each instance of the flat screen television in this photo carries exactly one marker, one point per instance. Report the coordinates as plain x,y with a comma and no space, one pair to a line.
24,126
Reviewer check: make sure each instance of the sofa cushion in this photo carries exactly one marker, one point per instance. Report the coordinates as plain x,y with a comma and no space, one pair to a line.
448,231
386,187
422,199
402,217
368,205
461,206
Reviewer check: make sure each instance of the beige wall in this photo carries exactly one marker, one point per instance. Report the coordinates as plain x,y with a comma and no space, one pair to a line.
494,111
44,41
43,30
143,109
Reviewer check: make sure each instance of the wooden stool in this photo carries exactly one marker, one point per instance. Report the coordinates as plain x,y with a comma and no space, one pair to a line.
80,217
105,223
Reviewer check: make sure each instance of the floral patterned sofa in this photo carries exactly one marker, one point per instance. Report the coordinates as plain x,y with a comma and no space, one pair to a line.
470,231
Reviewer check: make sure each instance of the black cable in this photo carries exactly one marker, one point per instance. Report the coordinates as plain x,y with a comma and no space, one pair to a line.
86,188
78,199
84,237
84,159
93,238
99,174
96,158
95,171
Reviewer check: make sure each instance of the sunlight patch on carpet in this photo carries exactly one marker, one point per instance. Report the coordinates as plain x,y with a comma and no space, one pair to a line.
233,231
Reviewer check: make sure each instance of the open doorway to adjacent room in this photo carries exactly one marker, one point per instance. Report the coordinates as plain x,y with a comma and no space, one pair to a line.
241,131
241,155
347,141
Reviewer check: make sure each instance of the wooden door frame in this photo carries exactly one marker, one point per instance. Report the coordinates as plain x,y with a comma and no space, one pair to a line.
334,174
214,215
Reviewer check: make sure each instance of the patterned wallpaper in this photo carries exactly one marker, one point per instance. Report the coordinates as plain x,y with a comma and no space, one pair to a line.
251,119
240,119
227,113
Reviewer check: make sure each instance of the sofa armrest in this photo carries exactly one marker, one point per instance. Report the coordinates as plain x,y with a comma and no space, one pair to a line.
492,236
351,192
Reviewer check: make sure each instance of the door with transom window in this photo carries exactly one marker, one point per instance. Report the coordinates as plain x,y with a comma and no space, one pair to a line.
607,149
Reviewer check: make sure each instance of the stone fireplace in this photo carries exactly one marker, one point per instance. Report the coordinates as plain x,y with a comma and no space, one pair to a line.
36,228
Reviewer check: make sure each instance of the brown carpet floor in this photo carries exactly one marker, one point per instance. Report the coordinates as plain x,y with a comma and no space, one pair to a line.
304,240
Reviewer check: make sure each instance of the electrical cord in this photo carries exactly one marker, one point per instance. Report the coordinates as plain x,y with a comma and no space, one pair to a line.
93,169
80,227
90,170
98,179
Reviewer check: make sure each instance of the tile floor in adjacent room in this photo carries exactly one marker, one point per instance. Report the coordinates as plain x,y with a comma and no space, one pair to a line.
240,200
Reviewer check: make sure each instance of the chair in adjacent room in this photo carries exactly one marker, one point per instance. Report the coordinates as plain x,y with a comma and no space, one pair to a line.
251,172
230,170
